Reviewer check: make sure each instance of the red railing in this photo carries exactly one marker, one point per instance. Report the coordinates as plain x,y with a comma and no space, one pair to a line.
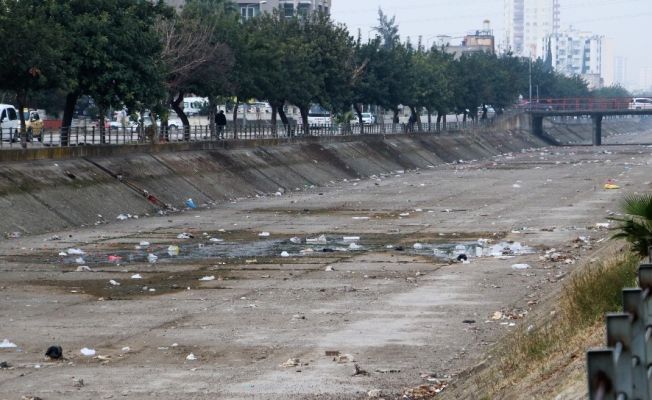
580,104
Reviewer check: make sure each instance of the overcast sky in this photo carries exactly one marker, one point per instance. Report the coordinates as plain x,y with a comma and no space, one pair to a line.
627,22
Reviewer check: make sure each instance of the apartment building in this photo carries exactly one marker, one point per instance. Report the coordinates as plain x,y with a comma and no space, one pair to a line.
289,8
527,25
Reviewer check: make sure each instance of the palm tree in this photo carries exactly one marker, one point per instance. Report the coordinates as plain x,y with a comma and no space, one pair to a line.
636,224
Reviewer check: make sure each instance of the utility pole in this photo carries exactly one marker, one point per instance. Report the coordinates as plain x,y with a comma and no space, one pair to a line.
530,81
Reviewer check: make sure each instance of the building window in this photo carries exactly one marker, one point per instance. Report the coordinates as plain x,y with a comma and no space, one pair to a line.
303,10
287,10
249,11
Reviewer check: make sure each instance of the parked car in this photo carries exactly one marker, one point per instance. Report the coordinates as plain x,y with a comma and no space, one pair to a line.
9,123
641,103
33,124
319,117
367,119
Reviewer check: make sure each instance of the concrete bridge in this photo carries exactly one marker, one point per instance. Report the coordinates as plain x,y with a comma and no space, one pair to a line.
595,108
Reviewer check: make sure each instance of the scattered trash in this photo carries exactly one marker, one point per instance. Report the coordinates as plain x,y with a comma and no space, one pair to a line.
295,240
216,240
126,349
63,254
418,246
14,235
6,344
191,204
462,257
4,365
344,358
173,251
359,371
351,238
114,283
208,278
80,260
191,357
184,235
520,266
87,352
332,353
602,225
78,383
75,252
54,238
388,371
152,258
329,269
136,276
516,186
360,218
292,362
374,394
319,240
354,246
285,254
115,259
468,321
122,217
83,268
264,234
611,185
424,392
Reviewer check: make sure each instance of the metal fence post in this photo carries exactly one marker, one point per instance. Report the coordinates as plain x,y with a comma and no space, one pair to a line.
601,374
619,337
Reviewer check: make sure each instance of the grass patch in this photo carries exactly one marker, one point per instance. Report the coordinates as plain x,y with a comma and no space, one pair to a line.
587,296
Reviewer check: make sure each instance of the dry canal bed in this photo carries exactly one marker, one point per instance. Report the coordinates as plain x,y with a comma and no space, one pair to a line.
251,316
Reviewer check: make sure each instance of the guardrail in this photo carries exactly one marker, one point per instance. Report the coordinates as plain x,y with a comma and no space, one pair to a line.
581,104
623,370
80,136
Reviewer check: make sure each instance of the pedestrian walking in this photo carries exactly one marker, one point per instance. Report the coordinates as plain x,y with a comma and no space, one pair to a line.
220,120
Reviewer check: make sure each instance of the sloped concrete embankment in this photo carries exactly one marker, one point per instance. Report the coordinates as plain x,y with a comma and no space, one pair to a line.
580,131
48,195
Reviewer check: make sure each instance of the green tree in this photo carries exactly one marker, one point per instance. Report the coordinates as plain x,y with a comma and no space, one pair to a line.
387,29
611,92
31,59
115,56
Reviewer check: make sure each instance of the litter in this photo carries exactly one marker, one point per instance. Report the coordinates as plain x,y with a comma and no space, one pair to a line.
319,240
114,283
184,235
87,352
351,238
54,352
53,238
374,394
611,185
191,204
115,259
126,349
516,186
418,246
602,225
462,257
136,276
173,251
144,244
344,358
123,217
63,254
191,357
360,218
208,278
292,362
152,258
75,252
83,268
264,234
354,246
404,215
216,240
285,254
14,235
295,240
79,260
329,269
6,344
520,266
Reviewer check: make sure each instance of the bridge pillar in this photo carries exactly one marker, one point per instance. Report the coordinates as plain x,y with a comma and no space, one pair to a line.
597,129
537,126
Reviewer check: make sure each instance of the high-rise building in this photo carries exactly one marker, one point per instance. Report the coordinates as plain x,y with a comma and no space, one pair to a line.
581,53
528,23
620,71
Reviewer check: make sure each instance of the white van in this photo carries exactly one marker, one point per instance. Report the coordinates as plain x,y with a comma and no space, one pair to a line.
319,117
194,105
9,122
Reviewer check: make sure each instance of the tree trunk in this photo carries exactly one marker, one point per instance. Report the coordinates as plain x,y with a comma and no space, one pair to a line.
274,111
153,133
21,99
68,111
304,119
101,127
429,120
212,107
177,107
381,114
235,118
358,111
416,117
284,119
439,118
395,120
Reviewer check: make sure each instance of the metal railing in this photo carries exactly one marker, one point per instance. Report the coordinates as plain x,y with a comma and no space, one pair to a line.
623,370
581,104
86,136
